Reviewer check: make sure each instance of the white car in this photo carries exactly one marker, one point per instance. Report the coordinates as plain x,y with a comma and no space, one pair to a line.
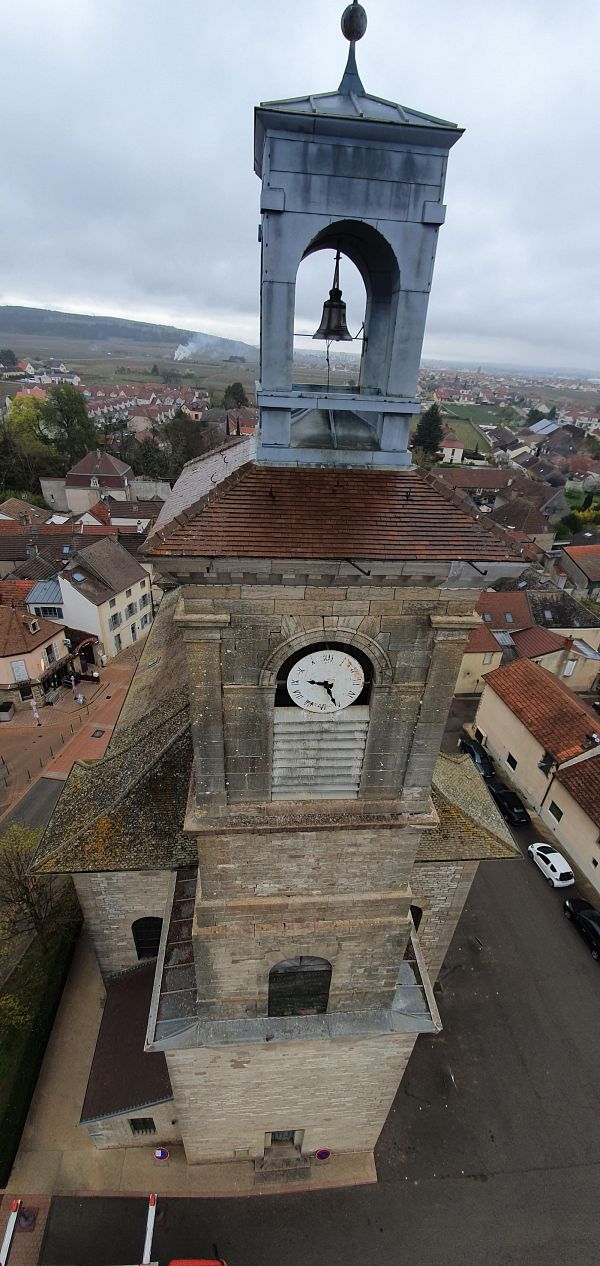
552,864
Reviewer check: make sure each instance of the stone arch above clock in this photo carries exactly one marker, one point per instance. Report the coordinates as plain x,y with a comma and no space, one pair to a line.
382,666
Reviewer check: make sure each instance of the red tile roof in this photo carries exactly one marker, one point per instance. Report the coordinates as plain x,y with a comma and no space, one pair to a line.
481,640
99,511
15,635
291,512
499,605
559,721
582,781
14,591
23,511
529,643
587,558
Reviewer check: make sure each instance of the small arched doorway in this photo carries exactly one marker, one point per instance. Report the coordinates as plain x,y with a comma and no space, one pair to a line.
299,986
146,936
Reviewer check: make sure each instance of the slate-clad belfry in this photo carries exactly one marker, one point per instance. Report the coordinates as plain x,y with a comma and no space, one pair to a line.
273,829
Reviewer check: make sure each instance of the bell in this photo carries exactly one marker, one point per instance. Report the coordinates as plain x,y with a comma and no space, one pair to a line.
333,322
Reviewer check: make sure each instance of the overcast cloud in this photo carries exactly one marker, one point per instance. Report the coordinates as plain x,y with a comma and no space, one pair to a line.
127,184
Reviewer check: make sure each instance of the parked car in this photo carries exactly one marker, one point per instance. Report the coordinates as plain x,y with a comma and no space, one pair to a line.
511,808
586,919
552,864
478,755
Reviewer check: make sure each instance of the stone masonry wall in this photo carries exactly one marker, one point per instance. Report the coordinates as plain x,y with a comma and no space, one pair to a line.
440,889
270,863
111,902
414,636
338,1093
116,1131
237,943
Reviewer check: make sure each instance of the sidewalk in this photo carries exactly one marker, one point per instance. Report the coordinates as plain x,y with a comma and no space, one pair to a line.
68,732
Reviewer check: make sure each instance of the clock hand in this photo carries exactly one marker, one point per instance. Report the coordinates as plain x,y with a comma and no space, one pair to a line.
327,685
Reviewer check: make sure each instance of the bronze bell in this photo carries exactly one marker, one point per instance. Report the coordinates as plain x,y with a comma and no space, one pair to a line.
333,322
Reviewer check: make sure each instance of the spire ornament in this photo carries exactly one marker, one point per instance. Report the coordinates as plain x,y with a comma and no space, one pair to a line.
354,25
354,22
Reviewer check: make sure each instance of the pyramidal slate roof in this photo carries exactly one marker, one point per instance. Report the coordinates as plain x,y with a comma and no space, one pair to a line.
351,101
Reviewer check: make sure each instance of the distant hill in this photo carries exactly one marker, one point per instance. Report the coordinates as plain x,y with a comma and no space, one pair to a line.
43,323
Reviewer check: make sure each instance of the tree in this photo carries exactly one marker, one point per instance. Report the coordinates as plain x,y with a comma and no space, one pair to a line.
188,439
234,396
155,371
26,897
8,358
24,455
534,415
65,423
152,461
592,445
552,413
429,431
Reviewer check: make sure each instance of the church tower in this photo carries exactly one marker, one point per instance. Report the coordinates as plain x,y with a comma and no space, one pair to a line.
327,595
268,790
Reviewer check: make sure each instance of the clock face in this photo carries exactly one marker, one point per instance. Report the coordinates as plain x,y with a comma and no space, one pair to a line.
325,680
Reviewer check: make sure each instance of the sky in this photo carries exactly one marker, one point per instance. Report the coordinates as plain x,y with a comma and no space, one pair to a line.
127,184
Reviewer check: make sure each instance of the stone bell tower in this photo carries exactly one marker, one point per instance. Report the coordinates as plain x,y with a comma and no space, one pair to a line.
364,176
327,592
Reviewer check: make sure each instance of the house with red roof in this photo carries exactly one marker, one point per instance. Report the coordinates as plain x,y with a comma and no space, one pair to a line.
548,742
582,565
452,449
96,473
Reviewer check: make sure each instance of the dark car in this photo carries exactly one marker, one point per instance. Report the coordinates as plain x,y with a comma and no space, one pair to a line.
478,755
511,808
586,919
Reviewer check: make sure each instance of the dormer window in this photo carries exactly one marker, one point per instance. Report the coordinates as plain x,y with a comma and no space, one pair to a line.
487,615
508,617
34,626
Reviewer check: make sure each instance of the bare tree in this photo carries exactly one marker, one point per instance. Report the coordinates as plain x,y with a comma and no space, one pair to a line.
26,896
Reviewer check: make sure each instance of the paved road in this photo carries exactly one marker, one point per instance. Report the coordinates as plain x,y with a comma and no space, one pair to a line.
491,1154
35,807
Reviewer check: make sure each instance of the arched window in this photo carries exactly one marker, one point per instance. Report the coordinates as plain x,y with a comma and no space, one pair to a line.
299,986
146,935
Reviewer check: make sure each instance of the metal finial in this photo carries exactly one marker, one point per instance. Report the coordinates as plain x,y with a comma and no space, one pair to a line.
354,21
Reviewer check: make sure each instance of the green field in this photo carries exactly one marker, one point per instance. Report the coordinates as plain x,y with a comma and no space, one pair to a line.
474,413
467,434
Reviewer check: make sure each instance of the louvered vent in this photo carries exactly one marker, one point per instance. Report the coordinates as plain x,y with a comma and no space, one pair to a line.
318,757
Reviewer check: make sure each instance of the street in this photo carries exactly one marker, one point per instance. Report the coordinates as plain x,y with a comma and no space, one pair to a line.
491,1153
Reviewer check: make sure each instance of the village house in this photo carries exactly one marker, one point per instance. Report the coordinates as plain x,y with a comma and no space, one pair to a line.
510,631
452,449
582,565
520,515
548,741
108,593
33,654
23,512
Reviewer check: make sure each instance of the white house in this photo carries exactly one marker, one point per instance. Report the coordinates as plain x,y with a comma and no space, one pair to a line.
452,449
